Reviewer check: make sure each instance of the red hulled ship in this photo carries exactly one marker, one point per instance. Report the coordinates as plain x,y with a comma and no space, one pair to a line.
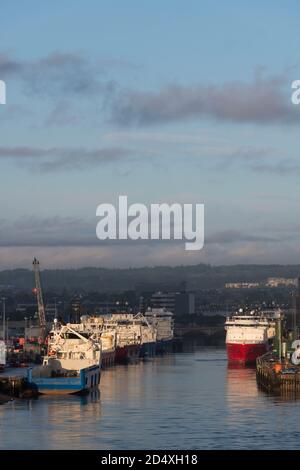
248,336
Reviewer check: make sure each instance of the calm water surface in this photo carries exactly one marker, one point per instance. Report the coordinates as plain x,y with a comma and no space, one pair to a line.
187,400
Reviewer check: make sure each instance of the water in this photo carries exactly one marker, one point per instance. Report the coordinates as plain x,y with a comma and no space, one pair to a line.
181,401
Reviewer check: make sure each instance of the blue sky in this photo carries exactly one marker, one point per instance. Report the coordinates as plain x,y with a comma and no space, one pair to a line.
163,101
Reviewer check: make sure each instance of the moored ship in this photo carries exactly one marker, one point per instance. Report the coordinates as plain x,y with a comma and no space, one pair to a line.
128,337
124,337
249,335
93,327
162,321
72,364
119,335
148,337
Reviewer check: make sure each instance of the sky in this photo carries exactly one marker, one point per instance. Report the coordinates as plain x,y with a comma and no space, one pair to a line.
169,101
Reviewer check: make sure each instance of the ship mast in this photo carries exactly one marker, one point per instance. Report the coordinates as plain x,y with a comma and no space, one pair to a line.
39,295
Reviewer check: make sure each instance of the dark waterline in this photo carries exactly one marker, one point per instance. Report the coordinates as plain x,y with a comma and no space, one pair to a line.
189,400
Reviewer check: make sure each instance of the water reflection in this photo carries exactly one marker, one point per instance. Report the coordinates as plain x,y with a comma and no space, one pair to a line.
51,422
242,390
280,396
190,400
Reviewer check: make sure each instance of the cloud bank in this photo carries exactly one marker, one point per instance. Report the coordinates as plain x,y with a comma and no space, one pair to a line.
262,101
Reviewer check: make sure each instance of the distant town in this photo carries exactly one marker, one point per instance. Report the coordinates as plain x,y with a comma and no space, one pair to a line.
196,295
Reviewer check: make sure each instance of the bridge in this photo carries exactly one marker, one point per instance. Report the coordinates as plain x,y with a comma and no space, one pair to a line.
194,330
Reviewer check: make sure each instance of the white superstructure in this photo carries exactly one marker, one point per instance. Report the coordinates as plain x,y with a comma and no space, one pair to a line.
162,322
250,329
2,354
74,350
117,330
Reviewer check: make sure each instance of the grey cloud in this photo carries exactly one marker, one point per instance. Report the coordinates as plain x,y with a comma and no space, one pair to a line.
8,66
68,158
284,167
140,256
258,160
66,73
64,232
134,254
71,242
74,231
235,236
53,231
264,100
54,159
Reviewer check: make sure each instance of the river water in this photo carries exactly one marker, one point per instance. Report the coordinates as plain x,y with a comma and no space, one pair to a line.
187,400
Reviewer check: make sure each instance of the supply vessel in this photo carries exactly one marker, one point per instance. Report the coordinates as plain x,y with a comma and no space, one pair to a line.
249,335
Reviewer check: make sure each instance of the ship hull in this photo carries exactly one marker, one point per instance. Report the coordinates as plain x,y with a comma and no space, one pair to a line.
148,350
88,379
127,354
241,353
164,346
108,358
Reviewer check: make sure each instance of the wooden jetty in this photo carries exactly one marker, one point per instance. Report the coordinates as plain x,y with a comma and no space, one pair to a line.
277,376
16,386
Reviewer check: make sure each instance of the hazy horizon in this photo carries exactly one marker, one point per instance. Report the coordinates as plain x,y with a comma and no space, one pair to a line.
166,266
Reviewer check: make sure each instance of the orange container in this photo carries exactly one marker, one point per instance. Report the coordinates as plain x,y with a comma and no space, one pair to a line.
277,368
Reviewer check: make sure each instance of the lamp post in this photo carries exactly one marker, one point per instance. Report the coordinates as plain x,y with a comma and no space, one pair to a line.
7,336
25,320
3,314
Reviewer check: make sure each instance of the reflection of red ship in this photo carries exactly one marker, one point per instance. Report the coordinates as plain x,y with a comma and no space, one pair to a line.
248,336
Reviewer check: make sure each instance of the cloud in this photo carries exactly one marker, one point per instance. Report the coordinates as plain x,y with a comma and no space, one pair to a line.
61,231
284,167
72,231
52,231
55,159
66,73
261,101
222,157
71,86
235,236
71,242
134,255
213,156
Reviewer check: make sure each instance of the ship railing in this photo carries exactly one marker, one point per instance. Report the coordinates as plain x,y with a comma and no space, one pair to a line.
263,361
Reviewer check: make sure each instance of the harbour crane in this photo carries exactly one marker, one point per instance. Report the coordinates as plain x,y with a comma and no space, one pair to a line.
39,295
